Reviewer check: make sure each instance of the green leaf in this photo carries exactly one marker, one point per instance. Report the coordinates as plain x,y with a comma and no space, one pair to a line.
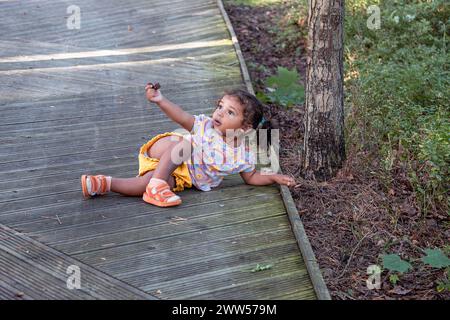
261,267
393,262
393,278
284,88
284,78
443,286
436,258
262,97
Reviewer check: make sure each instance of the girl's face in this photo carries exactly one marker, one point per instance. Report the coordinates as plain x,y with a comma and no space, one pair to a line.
229,114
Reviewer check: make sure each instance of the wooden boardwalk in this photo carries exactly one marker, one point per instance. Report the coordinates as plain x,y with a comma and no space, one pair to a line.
32,270
72,102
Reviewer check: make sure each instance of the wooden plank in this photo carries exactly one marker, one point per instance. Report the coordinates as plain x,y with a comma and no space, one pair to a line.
261,290
227,282
156,232
169,254
100,17
130,55
72,105
221,237
213,267
73,202
70,181
127,169
81,166
39,272
82,121
141,217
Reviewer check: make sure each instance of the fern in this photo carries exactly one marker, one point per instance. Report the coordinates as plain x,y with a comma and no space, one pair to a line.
284,89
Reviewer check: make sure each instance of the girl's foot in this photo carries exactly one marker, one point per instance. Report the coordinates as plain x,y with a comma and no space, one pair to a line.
95,185
159,194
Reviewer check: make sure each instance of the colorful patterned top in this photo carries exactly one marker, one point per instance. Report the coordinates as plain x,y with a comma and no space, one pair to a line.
212,158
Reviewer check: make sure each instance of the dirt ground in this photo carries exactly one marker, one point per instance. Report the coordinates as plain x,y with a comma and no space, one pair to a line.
352,219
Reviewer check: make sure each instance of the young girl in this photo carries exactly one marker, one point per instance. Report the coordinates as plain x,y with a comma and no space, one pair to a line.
175,161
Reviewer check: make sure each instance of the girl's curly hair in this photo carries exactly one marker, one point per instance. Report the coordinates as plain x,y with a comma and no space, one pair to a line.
253,111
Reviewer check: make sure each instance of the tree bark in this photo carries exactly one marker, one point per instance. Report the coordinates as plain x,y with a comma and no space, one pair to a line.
324,144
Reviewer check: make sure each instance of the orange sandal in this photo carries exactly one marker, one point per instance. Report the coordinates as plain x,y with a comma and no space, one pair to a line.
93,185
161,196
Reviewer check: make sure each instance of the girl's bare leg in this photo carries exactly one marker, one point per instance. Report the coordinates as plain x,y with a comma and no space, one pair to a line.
135,186
163,151
171,158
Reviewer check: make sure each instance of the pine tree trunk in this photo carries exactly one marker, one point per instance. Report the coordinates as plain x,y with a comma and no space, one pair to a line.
324,145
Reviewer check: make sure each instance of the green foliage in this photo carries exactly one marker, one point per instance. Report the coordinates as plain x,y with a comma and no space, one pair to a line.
393,262
291,30
444,285
284,89
397,80
261,267
393,278
436,258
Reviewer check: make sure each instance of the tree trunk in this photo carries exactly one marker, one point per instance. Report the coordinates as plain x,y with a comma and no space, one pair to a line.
324,145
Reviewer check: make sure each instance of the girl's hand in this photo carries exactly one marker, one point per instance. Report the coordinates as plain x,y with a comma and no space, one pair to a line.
284,179
152,94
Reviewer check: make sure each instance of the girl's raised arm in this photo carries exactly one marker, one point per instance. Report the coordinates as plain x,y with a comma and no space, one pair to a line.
173,111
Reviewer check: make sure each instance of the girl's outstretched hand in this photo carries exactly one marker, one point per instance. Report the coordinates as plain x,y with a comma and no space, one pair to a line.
284,179
152,93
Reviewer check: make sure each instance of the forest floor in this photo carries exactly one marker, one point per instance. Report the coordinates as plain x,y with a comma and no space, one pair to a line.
351,220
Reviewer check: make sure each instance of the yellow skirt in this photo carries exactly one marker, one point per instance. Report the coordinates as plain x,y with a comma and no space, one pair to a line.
146,164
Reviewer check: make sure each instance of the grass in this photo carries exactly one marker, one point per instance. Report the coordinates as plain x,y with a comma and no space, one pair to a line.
397,98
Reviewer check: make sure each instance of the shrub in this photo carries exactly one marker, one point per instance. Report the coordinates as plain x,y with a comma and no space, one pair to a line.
397,82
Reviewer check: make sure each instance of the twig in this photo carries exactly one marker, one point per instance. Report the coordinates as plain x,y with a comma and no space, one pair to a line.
353,252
